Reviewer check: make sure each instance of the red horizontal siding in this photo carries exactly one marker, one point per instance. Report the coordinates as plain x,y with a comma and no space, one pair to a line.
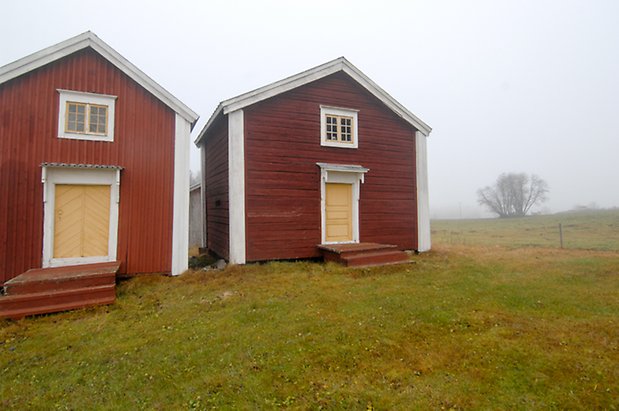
216,175
144,146
282,147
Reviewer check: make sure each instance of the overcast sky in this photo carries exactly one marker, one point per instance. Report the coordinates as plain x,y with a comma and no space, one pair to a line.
523,86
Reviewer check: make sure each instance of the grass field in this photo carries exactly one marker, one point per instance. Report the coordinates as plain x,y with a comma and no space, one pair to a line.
595,230
462,327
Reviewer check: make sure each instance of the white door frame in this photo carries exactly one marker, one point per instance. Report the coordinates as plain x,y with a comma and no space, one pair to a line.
341,174
82,175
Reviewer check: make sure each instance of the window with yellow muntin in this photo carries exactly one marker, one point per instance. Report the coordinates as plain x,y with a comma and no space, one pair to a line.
339,128
84,118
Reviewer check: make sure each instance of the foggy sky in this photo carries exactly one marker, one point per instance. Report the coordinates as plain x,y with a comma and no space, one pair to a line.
522,86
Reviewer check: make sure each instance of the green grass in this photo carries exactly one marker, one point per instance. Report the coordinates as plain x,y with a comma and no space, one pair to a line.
596,230
462,327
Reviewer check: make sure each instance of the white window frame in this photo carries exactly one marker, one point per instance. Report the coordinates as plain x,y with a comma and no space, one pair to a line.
51,176
338,111
67,96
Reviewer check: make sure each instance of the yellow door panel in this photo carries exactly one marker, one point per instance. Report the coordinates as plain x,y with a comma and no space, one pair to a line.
96,221
337,215
339,230
68,218
81,220
338,212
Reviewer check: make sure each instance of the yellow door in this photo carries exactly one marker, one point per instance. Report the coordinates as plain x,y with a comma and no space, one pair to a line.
81,220
338,212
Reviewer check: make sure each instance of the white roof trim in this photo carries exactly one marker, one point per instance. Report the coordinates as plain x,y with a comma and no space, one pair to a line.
345,168
89,39
316,73
72,165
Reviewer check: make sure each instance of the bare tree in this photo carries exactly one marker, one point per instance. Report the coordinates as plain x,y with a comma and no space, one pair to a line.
513,194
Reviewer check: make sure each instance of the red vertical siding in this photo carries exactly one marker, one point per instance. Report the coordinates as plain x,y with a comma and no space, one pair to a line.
282,147
144,146
216,174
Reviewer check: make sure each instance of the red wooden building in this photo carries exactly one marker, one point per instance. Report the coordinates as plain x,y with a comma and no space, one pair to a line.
325,157
94,163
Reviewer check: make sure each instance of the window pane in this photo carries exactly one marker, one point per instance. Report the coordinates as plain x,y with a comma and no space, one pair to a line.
98,119
81,120
76,117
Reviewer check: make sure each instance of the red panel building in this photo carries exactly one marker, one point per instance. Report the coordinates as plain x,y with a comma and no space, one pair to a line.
322,157
94,163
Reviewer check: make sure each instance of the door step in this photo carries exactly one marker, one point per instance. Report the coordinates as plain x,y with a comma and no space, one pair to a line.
363,254
19,306
47,290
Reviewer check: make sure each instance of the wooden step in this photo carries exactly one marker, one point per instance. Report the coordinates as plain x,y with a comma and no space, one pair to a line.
21,305
71,283
354,249
62,278
363,254
53,289
382,257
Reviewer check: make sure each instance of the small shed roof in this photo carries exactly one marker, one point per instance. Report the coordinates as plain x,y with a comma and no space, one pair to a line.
89,39
73,165
316,73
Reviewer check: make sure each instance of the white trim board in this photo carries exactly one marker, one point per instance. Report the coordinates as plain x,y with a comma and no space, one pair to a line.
305,77
180,213
424,242
89,39
50,176
236,184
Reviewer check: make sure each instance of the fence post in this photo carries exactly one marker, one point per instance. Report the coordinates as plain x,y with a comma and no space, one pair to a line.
561,234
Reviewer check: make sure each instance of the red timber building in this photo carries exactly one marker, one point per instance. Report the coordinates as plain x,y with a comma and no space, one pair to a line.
94,163
323,158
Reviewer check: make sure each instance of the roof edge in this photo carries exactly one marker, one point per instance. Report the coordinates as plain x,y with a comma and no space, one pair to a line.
307,76
81,165
208,125
89,39
386,98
